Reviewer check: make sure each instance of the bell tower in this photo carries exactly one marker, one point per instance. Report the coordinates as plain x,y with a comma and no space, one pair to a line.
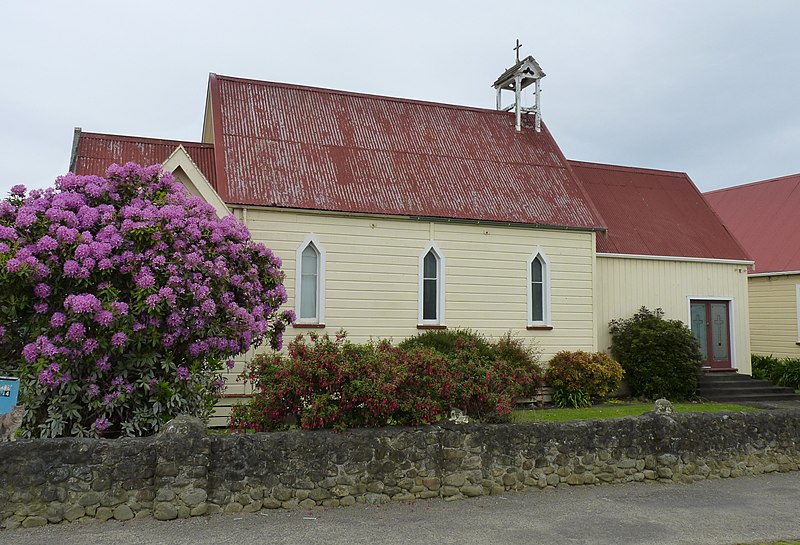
525,72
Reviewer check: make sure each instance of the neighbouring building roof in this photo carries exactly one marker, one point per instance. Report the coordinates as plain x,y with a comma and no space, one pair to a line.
307,148
93,153
655,212
765,217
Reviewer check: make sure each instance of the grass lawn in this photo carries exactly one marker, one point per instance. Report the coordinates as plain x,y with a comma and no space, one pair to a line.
617,410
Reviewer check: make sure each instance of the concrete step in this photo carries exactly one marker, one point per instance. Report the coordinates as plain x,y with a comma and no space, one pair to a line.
736,387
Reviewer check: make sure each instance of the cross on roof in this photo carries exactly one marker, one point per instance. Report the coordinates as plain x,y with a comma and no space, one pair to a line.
518,46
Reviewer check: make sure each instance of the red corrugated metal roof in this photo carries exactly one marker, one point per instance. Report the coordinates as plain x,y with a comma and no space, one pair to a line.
300,147
765,217
655,212
96,152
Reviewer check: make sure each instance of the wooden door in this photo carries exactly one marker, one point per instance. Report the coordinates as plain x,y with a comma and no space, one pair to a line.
711,327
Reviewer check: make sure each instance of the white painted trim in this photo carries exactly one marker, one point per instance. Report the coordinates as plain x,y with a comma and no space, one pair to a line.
440,263
546,315
321,266
797,306
731,320
181,158
676,258
782,273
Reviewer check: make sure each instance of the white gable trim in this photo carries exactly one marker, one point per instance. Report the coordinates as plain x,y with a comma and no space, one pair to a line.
320,317
181,158
546,315
440,276
781,273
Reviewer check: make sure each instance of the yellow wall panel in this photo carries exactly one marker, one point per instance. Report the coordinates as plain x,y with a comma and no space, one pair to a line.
773,315
623,285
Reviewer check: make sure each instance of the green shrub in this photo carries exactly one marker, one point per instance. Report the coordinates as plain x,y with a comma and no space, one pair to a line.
487,379
661,357
766,368
791,373
582,378
783,372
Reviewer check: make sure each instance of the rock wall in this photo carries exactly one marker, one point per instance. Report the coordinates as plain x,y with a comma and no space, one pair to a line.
184,472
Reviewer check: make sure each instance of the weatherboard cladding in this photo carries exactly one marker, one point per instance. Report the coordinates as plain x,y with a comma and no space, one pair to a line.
655,212
97,151
307,148
764,217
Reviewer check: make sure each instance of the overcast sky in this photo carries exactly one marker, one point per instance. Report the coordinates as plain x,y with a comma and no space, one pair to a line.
706,87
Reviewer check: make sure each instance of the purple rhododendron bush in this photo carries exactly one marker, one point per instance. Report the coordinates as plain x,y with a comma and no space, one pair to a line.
122,298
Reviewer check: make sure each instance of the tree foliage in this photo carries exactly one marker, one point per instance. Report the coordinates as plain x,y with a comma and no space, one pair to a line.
122,298
661,357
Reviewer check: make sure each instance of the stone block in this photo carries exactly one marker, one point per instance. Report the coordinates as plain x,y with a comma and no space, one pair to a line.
199,510
34,521
455,479
104,513
233,507
165,511
123,513
74,512
472,491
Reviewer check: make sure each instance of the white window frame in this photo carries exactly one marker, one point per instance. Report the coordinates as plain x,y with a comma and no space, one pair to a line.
440,291
321,262
546,299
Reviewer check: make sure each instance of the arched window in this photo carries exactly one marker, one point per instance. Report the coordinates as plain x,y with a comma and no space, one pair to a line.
431,286
538,289
310,284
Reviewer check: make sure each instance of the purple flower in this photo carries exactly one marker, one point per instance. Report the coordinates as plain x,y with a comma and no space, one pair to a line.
30,352
42,290
76,332
18,190
144,279
101,424
57,320
120,308
89,346
229,364
93,389
119,339
152,300
104,317
102,364
40,308
117,381
182,373
109,398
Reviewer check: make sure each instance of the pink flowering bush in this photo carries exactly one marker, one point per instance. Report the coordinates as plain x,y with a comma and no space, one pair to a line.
122,299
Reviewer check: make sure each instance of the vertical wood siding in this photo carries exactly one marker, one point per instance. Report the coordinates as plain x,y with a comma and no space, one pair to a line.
773,315
624,285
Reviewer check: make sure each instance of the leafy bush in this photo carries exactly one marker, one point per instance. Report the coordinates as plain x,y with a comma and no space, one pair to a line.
580,379
486,378
661,357
333,383
783,372
767,368
122,297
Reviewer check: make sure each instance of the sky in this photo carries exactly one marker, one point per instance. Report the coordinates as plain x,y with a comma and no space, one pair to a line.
707,87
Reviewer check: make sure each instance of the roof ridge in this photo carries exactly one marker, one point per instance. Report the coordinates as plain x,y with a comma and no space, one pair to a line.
641,170
372,96
143,139
758,182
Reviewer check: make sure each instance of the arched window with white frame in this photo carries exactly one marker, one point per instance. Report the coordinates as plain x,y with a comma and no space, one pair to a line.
431,286
310,282
539,289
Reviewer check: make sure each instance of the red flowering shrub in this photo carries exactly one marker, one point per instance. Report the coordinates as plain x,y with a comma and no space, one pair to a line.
122,297
333,383
582,378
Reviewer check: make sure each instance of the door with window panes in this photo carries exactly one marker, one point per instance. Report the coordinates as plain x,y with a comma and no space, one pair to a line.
711,327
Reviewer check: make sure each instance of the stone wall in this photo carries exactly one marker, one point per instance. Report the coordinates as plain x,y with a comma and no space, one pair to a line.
184,472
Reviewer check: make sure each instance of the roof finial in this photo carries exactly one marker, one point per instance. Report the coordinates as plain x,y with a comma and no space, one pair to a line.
517,48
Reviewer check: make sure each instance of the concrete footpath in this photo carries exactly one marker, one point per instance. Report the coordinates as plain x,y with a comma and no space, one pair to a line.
715,512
